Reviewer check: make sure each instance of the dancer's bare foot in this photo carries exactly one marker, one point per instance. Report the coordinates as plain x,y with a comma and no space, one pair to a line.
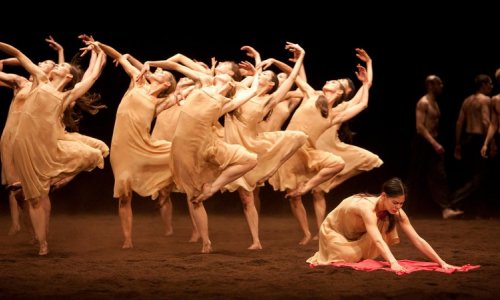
195,236
207,248
206,192
14,229
255,246
316,237
169,232
305,240
127,244
44,249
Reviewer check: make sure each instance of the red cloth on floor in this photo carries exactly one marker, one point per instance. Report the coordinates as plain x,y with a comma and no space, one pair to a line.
411,266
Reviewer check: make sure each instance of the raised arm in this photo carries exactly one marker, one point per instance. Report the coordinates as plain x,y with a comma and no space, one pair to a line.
12,81
173,64
242,96
280,93
251,52
11,61
56,46
190,63
84,85
93,56
115,55
302,84
352,110
27,64
363,56
134,61
418,241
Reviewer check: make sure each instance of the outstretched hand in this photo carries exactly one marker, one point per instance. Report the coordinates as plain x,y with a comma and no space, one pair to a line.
361,54
295,49
266,63
250,51
246,65
91,46
446,266
89,41
86,38
53,44
361,73
399,269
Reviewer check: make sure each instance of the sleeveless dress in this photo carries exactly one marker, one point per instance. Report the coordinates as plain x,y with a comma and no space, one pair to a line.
139,163
356,159
278,116
9,174
343,237
41,150
198,154
307,160
241,127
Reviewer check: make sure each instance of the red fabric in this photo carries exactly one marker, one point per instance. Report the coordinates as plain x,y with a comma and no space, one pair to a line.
411,266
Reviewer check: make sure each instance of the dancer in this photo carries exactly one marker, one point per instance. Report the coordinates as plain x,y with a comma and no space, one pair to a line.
272,148
309,167
139,164
356,159
164,129
363,226
21,87
40,152
203,163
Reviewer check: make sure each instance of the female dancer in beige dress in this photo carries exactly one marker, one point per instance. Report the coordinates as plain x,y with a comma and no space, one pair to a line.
309,166
356,159
363,227
140,164
164,129
21,87
272,148
202,162
41,153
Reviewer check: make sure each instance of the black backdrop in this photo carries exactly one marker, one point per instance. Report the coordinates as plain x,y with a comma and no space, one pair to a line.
404,51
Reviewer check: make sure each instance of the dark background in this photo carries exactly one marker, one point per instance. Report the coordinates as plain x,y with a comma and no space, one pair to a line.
406,45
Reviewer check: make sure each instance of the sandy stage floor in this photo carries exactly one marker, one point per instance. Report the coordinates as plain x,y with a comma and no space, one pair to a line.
86,262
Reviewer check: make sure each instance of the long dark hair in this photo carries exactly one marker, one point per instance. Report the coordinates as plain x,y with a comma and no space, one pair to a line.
393,187
322,105
88,103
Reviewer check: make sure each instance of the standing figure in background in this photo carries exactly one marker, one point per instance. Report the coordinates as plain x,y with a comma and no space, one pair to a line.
428,174
491,147
470,132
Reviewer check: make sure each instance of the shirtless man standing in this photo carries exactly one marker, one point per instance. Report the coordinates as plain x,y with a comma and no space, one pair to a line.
428,168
